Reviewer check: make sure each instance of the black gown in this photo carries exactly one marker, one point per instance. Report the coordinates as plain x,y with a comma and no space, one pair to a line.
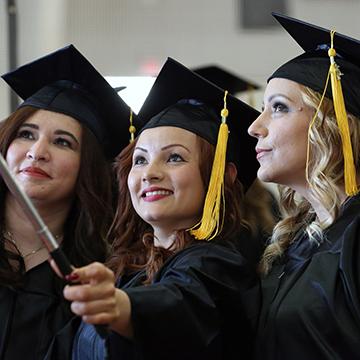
202,304
311,301
32,315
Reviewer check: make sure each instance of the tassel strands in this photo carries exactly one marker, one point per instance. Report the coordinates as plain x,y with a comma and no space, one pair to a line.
342,120
210,226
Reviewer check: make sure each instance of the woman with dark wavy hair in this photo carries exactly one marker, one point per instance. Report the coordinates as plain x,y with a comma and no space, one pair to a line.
52,147
309,142
180,292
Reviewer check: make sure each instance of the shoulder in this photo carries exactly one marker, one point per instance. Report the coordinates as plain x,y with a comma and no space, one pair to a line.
207,259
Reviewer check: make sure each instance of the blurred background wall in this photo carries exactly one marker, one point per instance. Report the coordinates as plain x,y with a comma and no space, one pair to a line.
134,37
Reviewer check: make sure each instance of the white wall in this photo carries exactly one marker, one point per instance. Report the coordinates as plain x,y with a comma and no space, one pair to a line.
120,36
40,30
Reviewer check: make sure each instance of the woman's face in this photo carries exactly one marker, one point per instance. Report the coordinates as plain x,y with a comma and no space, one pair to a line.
165,183
45,156
281,130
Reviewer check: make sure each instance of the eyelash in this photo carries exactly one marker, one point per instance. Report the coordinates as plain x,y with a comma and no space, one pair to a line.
28,135
137,160
140,160
178,157
63,142
25,134
283,108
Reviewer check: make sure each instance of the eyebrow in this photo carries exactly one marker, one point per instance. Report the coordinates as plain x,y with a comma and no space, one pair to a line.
279,95
57,132
164,147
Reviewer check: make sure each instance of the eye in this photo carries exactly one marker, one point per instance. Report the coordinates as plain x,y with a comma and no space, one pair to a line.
279,107
25,134
63,142
175,158
139,160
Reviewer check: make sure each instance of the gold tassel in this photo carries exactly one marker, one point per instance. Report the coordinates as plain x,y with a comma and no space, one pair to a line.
209,225
132,128
342,121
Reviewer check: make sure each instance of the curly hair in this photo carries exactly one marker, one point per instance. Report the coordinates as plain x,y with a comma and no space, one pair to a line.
90,216
133,239
325,174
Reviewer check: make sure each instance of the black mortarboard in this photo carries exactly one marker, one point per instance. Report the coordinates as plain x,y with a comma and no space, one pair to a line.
176,82
311,68
65,82
225,79
184,99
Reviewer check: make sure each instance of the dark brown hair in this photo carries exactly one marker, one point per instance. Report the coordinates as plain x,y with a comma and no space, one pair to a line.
133,240
90,216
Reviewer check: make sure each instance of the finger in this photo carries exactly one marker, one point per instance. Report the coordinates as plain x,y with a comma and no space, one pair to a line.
94,273
95,307
89,292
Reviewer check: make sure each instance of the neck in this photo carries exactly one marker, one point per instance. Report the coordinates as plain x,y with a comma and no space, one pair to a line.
163,238
24,235
321,211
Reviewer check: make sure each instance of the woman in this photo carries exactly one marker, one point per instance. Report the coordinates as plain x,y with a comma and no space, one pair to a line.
311,267
177,295
52,146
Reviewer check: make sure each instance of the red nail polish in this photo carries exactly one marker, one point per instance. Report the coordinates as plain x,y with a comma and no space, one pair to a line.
72,277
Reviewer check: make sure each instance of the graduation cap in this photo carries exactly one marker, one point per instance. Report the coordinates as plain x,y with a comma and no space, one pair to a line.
66,82
329,57
184,99
225,79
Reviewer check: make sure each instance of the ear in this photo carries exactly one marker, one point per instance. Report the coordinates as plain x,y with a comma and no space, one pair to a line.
232,171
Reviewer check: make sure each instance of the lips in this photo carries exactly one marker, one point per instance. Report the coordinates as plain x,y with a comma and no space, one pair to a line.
35,172
155,193
261,152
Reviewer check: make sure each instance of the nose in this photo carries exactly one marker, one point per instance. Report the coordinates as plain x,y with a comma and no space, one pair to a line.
152,173
258,129
38,151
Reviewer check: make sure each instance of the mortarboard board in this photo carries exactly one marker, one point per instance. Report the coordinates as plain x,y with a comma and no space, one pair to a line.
184,99
225,79
66,82
328,55
311,68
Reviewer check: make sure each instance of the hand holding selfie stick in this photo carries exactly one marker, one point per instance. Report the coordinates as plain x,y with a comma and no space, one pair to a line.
41,229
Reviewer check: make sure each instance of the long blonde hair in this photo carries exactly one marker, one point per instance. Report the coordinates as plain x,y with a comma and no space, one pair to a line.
325,174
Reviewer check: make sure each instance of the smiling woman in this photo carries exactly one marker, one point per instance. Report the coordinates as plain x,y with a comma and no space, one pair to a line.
180,293
52,146
165,183
45,156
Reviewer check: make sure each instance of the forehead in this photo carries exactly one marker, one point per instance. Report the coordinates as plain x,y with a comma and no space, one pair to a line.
167,135
285,87
54,120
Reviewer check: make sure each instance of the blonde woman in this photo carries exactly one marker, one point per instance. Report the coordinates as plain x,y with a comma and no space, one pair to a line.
311,284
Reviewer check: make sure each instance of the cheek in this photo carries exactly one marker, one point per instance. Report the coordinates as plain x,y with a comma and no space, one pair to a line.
133,183
14,155
191,182
70,167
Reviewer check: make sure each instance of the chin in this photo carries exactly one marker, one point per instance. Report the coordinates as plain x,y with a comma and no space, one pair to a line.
152,217
265,175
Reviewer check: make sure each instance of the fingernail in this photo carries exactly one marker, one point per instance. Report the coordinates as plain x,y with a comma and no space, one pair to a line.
72,277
